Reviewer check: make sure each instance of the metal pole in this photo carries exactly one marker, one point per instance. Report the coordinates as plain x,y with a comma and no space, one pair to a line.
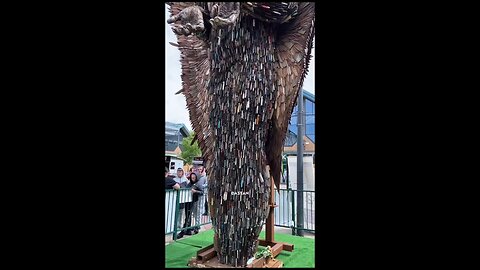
300,133
288,173
177,207
293,196
293,212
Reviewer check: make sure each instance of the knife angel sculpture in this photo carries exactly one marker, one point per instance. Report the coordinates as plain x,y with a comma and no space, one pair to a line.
243,64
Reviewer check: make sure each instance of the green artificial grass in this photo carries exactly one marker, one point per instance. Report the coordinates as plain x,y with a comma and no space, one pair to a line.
178,254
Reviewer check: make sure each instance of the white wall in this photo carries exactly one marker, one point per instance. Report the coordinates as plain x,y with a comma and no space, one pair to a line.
178,164
308,185
308,172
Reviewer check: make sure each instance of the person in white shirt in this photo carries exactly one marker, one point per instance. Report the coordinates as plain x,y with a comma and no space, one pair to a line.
182,181
180,178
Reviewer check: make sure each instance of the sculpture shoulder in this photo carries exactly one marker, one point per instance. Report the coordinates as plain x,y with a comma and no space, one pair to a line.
274,12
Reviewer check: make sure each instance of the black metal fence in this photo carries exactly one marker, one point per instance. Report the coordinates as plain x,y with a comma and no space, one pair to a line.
285,213
182,213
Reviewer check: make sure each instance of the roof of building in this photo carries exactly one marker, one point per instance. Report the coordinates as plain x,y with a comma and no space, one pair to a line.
173,128
309,95
309,147
167,154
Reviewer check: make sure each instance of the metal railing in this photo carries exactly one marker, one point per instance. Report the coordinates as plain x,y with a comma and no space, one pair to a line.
181,213
285,213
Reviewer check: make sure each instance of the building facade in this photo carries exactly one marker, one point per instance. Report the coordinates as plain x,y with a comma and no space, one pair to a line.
290,145
174,134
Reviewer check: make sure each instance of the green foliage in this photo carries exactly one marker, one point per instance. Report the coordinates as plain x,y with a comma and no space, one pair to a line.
190,151
264,253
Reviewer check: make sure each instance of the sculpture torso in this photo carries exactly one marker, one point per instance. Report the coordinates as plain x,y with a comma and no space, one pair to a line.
242,66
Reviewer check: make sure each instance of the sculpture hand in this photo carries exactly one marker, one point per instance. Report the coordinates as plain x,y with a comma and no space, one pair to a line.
222,22
191,21
224,14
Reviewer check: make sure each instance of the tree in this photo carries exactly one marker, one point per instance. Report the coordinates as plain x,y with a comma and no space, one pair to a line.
190,151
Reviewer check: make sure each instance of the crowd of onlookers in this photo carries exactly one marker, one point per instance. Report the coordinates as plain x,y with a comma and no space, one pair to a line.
196,181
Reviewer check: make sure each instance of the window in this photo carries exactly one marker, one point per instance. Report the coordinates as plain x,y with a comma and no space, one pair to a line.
290,139
293,120
309,107
310,119
292,128
310,129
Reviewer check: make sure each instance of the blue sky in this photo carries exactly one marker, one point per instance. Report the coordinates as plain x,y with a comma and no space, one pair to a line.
176,107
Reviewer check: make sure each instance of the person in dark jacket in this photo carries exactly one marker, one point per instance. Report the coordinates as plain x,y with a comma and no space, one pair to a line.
189,207
169,182
197,198
204,179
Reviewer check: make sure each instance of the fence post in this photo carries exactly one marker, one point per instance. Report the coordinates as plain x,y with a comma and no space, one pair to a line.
177,206
293,210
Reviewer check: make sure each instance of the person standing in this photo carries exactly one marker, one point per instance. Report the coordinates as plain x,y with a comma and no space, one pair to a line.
180,178
187,174
184,197
198,198
170,195
169,182
189,208
204,179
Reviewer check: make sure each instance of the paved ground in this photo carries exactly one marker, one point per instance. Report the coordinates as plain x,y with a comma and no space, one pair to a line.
288,230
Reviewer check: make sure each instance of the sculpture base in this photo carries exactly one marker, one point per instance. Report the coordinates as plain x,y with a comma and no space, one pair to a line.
207,258
214,263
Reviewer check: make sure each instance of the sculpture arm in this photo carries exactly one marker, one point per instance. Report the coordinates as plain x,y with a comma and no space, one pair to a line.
194,58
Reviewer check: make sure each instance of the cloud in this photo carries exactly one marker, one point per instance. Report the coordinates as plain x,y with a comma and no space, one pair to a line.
176,107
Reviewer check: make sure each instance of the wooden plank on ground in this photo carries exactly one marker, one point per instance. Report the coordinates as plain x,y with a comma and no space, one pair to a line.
257,263
264,243
276,249
276,264
286,246
205,248
212,263
207,254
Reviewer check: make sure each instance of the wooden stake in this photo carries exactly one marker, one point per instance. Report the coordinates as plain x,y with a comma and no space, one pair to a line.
270,226
269,240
